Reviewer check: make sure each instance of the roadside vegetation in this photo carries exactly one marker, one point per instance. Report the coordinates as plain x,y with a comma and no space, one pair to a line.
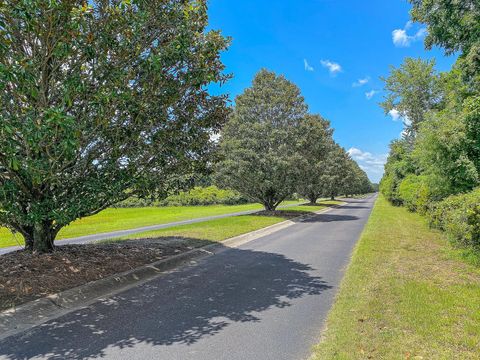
112,108
435,168
114,219
412,290
222,229
407,294
199,195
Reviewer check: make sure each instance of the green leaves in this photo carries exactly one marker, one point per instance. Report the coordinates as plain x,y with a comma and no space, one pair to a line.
271,147
100,102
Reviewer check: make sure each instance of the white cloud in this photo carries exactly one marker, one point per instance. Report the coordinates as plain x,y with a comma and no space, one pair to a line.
372,164
361,82
307,65
401,38
370,94
333,67
395,114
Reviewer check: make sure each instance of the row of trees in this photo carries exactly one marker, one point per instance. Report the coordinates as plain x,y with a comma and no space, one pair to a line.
271,147
439,155
104,100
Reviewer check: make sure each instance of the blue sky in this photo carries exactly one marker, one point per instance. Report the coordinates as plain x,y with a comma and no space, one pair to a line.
342,43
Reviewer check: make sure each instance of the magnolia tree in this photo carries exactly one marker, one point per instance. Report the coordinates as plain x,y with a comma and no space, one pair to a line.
259,142
314,146
356,181
100,101
336,171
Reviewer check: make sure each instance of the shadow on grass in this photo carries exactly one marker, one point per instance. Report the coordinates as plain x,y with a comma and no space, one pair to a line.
178,308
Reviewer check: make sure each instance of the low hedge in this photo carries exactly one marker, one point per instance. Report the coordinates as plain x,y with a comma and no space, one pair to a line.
459,217
210,195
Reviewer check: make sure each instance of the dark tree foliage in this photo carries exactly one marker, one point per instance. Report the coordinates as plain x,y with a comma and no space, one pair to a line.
101,100
259,146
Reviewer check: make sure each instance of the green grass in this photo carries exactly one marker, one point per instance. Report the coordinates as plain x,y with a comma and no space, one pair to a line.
213,230
130,218
404,296
222,229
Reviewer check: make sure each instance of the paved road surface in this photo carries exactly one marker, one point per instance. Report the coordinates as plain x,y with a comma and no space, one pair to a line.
115,234
267,299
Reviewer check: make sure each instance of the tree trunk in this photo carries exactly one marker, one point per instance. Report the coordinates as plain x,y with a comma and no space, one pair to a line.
28,241
269,206
313,199
43,237
332,197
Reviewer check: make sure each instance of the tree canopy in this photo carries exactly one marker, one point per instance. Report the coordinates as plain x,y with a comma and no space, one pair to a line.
259,142
101,100
437,169
271,147
412,90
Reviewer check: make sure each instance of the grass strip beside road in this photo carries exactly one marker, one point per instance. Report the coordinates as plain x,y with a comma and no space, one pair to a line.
74,265
222,229
406,295
115,219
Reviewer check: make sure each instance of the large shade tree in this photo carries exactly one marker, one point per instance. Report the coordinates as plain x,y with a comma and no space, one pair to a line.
259,142
100,100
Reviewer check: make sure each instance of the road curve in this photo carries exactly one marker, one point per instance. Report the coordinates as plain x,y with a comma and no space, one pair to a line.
267,299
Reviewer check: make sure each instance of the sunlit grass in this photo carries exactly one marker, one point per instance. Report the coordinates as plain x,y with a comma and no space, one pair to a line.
404,296
221,229
121,219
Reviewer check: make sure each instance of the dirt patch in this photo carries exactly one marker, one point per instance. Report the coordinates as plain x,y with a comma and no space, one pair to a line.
25,277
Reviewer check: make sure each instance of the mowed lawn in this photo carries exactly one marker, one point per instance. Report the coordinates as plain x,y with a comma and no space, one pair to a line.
222,229
406,295
121,219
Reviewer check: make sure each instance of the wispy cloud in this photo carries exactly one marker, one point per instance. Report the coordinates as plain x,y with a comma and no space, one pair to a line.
397,116
308,67
361,82
401,38
370,94
333,67
372,164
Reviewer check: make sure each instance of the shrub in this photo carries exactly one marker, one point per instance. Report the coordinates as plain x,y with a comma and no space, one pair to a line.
459,217
388,187
210,195
414,192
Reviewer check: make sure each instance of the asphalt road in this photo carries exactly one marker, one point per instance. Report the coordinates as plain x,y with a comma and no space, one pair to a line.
120,233
267,299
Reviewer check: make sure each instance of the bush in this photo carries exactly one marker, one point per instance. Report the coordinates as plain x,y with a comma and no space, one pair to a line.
210,195
459,217
414,193
388,187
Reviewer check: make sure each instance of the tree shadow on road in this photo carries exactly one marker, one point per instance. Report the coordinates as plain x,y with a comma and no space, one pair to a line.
329,218
182,307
